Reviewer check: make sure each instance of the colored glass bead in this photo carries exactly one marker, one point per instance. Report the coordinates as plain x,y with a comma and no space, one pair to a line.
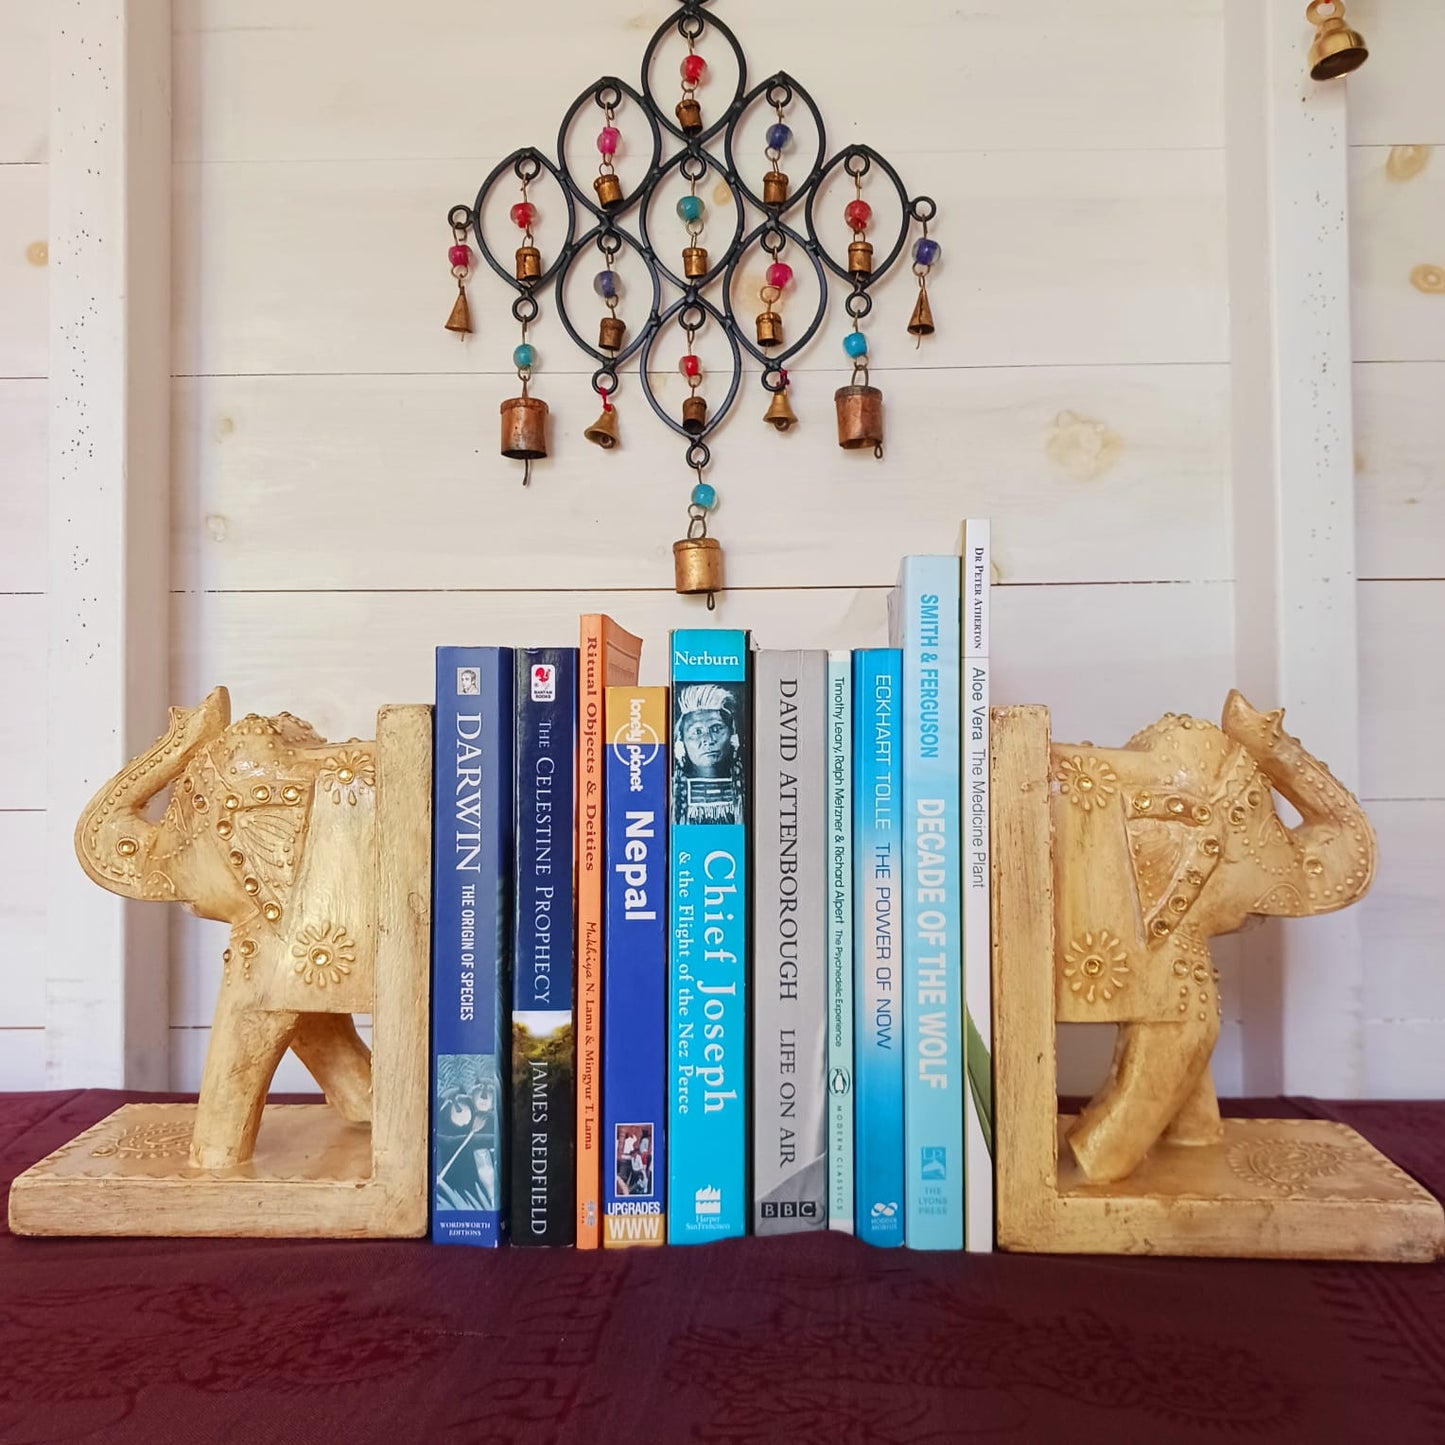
523,214
779,274
778,136
690,208
607,139
524,357
704,494
460,255
607,284
692,68
690,365
926,250
858,214
855,344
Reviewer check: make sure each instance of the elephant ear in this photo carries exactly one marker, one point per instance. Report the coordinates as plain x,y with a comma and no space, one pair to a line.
1157,848
268,836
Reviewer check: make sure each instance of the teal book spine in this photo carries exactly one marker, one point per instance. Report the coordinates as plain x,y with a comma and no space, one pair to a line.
707,1180
924,611
877,865
840,941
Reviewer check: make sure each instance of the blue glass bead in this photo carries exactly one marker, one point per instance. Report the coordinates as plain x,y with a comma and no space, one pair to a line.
855,344
704,494
524,357
926,250
690,209
778,136
607,284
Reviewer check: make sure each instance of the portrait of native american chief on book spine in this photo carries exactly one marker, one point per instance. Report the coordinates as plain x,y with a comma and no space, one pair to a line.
708,752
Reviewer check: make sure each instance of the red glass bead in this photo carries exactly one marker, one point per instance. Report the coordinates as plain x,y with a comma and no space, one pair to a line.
523,214
607,139
779,274
690,365
692,68
858,214
460,255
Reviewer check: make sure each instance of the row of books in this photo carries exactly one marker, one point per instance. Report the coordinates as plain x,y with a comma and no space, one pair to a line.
713,958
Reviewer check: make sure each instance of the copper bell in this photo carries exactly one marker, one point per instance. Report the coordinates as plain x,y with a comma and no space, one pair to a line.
860,258
524,428
603,431
780,412
529,263
610,333
694,261
770,328
775,188
461,318
921,322
609,190
694,415
697,565
1337,49
860,417
689,115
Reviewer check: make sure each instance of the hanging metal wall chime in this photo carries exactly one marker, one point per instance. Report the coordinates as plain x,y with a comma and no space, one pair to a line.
777,219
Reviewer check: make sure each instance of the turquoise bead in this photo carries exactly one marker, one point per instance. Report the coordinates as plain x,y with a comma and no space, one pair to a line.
704,495
855,344
524,357
690,209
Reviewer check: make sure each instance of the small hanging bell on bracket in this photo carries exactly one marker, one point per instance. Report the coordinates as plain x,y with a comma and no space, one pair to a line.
779,414
603,431
860,417
461,318
921,322
775,188
770,328
610,333
694,415
524,431
697,566
529,263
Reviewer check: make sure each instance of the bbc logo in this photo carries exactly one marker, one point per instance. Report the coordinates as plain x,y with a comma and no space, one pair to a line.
790,1209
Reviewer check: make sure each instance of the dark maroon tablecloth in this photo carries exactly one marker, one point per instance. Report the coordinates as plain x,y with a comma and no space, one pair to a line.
814,1339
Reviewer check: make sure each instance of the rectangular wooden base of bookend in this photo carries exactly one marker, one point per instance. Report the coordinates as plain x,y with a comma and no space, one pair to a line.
313,1175
1271,1188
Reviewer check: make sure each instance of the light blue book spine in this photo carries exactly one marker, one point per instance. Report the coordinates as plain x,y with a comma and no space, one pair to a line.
878,1040
924,622
840,941
707,957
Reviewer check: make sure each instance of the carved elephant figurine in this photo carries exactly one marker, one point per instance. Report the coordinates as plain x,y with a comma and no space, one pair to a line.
1159,846
271,829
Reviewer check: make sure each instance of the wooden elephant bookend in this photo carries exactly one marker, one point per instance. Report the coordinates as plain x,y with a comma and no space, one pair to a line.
318,855
1112,870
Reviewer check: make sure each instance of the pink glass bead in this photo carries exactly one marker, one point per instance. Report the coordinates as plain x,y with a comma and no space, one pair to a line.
690,365
460,255
523,214
858,214
607,139
779,274
692,68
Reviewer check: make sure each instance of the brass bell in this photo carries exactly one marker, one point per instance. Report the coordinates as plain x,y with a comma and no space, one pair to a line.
694,261
770,328
689,115
921,322
610,333
1337,49
697,566
775,188
461,318
694,415
780,412
860,258
609,190
524,431
860,418
529,263
603,431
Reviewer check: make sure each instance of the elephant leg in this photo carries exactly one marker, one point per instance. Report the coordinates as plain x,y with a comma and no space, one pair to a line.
246,1045
1197,1121
339,1061
1156,1070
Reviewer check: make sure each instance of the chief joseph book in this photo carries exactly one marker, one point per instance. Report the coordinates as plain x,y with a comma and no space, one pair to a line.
708,962
923,619
634,946
840,941
471,943
544,1099
790,1147
608,657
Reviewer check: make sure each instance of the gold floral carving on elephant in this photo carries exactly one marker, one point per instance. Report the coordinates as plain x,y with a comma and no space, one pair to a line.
1160,846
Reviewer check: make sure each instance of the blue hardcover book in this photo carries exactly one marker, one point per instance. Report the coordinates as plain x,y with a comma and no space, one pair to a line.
707,1183
471,943
544,1092
878,1044
923,619
840,941
634,953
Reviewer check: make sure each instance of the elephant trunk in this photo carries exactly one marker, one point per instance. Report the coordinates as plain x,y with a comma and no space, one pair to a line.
113,839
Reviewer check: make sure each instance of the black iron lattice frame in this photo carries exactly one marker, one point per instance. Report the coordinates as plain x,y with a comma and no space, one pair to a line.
691,308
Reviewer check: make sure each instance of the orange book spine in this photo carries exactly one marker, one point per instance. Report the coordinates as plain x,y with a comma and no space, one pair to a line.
609,657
